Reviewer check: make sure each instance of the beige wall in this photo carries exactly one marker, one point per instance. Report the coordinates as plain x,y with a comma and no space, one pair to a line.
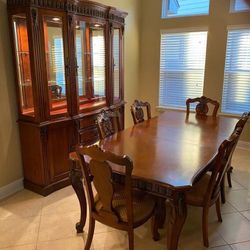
216,22
10,158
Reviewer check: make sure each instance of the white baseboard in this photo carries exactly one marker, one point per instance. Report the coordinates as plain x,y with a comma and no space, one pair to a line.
11,188
244,145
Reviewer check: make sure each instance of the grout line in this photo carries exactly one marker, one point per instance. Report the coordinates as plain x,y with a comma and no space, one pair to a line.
38,229
244,215
64,238
220,246
16,246
239,242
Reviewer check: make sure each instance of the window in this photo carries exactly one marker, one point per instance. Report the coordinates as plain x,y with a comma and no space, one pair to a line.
240,5
58,59
175,8
236,90
182,66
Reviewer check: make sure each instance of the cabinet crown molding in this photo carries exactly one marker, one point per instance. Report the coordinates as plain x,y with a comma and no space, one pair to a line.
82,7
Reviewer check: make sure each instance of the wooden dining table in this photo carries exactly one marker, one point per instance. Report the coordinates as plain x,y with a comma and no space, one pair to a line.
169,152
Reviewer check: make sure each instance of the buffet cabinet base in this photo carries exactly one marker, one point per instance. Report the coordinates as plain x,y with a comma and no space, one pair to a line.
45,153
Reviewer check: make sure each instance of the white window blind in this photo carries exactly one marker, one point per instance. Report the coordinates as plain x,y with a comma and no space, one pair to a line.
98,50
236,90
172,8
182,66
240,5
79,46
58,58
116,58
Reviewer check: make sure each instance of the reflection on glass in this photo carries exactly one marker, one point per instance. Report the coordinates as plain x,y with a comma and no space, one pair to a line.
23,64
53,35
116,65
90,58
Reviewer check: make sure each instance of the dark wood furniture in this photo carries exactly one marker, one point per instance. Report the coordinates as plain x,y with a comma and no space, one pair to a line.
137,111
205,191
68,57
202,107
114,205
240,124
168,152
108,123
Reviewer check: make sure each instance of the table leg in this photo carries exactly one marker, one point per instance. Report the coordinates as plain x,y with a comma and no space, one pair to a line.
158,219
76,182
176,221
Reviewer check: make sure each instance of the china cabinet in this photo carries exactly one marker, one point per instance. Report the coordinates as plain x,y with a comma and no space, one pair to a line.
68,57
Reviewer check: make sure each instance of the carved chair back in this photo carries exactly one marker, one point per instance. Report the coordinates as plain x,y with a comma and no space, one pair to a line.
202,106
108,123
98,170
219,165
137,111
239,126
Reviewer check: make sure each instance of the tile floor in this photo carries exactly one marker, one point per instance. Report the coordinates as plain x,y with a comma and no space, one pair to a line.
29,221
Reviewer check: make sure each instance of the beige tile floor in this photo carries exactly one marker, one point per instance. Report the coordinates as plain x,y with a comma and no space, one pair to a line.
29,221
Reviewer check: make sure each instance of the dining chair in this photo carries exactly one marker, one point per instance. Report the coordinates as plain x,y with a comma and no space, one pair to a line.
117,206
205,191
137,111
202,106
240,124
108,123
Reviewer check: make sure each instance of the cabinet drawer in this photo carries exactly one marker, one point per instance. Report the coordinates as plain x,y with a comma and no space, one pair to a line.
87,121
88,135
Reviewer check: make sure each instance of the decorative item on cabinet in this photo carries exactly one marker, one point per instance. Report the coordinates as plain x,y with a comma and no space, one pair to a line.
68,57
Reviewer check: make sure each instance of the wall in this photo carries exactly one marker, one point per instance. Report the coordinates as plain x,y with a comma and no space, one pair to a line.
10,158
216,22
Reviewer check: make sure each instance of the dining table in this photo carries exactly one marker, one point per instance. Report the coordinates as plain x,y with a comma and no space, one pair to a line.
169,153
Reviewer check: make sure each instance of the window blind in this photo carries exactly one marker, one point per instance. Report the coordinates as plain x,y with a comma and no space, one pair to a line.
58,58
80,62
98,50
184,7
116,58
236,88
182,66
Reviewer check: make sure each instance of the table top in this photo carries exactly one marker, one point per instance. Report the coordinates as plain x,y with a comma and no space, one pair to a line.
173,148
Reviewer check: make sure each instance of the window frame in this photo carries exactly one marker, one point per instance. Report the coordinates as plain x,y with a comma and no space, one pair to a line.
164,11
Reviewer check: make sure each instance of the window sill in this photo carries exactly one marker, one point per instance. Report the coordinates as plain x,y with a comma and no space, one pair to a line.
162,108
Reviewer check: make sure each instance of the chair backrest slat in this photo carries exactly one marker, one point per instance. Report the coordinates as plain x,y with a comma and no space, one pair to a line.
99,171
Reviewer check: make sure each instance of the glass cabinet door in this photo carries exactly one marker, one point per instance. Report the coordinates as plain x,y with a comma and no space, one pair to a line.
90,59
116,65
55,63
23,64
